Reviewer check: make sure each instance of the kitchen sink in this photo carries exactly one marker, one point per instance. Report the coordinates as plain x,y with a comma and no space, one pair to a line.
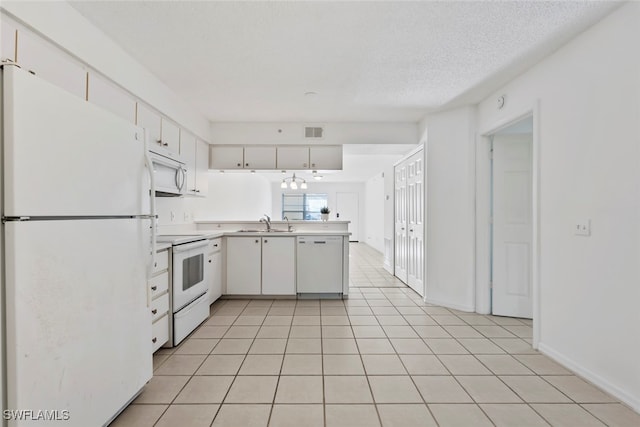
251,231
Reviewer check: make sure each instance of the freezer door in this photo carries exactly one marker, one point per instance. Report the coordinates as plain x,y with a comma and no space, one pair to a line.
64,156
78,329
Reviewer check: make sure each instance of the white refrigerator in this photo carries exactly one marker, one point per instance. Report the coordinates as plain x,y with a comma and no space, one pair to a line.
76,238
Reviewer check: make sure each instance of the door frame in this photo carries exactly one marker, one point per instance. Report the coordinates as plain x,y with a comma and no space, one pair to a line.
483,214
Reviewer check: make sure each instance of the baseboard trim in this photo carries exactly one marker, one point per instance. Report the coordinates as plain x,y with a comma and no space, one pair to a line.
388,268
447,304
632,401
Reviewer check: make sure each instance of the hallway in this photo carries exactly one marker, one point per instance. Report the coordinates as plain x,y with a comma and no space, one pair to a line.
380,357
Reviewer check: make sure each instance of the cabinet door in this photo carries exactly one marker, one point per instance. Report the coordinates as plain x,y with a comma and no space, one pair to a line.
188,155
8,31
259,157
46,61
328,157
243,265
102,92
150,121
170,136
226,157
215,276
202,168
293,158
278,265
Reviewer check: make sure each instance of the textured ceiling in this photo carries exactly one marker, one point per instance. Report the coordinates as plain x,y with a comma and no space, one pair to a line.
367,61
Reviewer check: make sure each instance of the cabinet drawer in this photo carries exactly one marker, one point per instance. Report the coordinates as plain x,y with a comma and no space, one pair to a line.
159,307
159,284
215,245
162,262
160,333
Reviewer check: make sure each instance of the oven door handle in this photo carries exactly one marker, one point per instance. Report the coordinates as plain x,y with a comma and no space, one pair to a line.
190,246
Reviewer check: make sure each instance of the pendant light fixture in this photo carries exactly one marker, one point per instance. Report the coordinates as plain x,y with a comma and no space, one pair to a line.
292,183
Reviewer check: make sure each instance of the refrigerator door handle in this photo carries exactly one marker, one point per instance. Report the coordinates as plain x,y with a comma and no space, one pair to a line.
152,206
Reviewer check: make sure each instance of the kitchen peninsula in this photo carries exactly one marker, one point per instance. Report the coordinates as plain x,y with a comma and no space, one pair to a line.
283,258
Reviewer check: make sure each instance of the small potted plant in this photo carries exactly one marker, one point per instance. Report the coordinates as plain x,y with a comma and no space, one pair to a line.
324,213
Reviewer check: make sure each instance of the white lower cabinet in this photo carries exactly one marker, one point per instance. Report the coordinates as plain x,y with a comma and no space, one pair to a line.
261,265
214,265
278,265
159,291
243,265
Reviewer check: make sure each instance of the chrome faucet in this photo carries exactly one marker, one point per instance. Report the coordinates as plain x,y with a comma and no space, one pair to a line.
288,225
266,219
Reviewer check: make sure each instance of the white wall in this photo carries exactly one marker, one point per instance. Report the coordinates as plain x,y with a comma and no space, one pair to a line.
293,133
589,148
374,205
235,196
450,209
331,189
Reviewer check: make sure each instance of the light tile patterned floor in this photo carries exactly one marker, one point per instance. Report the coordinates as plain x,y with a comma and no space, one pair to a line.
381,357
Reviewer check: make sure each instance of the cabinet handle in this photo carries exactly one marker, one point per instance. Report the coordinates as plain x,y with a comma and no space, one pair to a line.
402,229
239,164
313,165
154,311
304,165
257,241
215,246
209,261
164,144
155,264
159,141
153,288
154,339
411,229
246,164
265,240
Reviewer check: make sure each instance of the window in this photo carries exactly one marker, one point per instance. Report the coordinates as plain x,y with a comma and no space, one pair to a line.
297,206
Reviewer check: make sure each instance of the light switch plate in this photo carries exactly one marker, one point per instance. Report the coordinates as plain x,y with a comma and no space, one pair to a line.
582,228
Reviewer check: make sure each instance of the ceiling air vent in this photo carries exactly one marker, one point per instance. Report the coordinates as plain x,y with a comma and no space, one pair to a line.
313,132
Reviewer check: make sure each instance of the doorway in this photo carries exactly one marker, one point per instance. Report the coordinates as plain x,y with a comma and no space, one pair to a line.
512,216
521,124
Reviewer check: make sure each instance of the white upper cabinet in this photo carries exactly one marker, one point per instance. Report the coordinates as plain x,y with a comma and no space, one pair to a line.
259,157
293,157
188,155
195,153
7,39
202,167
102,92
326,157
162,132
150,121
44,60
226,157
170,136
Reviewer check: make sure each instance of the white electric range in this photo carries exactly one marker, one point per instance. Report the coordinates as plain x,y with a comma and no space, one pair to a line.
189,299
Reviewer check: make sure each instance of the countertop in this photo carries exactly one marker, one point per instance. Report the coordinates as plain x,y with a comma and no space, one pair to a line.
208,234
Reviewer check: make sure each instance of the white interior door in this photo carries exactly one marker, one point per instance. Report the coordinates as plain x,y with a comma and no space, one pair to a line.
512,226
347,210
401,222
415,205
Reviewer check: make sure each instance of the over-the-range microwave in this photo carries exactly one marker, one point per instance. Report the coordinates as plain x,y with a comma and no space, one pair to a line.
170,175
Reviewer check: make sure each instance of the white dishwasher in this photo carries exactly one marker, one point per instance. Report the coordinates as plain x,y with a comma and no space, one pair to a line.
319,264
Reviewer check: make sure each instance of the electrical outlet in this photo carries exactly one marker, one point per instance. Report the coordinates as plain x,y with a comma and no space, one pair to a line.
582,228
